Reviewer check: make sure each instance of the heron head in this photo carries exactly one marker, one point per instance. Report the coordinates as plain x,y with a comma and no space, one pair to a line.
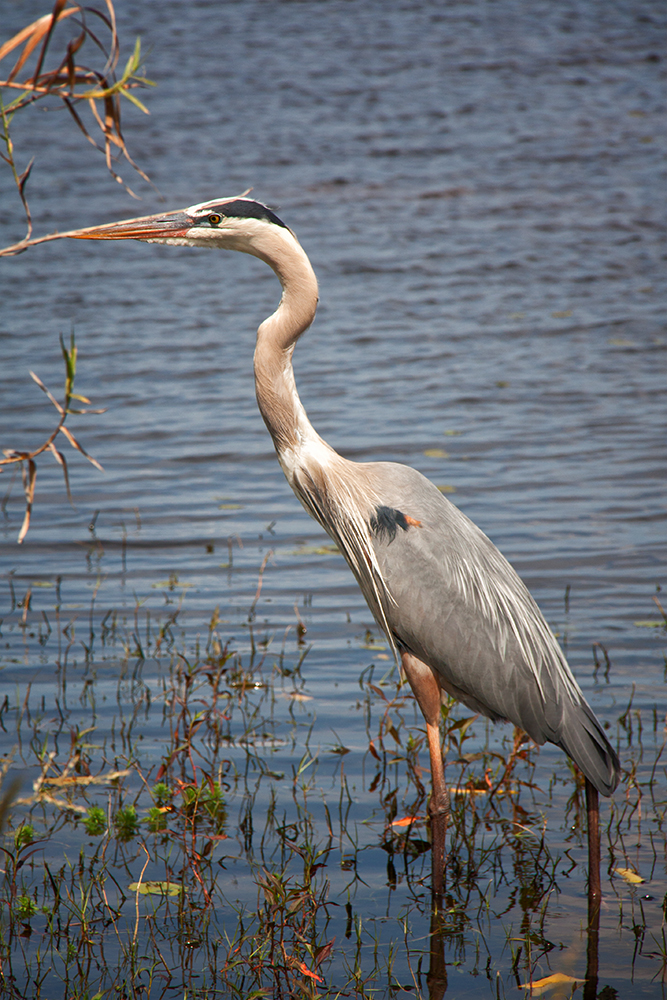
231,223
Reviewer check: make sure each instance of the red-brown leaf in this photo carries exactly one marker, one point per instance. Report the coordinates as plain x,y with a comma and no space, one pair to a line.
306,971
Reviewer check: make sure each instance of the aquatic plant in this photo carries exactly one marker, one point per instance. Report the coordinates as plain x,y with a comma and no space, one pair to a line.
199,834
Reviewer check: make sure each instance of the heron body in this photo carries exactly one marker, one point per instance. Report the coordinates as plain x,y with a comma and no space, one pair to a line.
450,604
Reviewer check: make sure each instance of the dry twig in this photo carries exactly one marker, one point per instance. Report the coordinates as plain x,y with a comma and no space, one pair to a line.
26,459
73,83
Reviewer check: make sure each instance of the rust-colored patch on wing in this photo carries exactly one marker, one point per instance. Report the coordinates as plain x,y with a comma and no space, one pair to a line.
411,521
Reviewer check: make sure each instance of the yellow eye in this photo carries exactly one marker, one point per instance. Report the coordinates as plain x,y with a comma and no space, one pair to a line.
214,219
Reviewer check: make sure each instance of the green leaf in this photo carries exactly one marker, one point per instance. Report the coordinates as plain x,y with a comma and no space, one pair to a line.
156,888
132,64
135,100
70,357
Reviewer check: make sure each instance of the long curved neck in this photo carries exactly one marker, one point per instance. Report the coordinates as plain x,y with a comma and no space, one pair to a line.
277,397
340,495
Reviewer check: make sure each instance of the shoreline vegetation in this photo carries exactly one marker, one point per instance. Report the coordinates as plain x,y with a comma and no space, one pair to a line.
184,827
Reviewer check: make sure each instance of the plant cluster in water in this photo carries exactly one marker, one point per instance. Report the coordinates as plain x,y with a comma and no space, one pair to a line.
175,824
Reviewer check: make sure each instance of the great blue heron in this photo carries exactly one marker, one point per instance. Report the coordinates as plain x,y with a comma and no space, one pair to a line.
450,604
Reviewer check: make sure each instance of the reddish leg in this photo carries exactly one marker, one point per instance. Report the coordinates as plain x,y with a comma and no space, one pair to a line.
594,891
426,690
593,811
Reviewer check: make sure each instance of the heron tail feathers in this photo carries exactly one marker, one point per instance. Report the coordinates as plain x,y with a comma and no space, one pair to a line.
585,742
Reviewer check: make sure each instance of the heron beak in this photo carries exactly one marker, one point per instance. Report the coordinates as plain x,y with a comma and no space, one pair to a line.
148,227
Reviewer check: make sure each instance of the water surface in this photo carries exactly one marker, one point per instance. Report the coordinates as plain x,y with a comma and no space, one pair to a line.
480,188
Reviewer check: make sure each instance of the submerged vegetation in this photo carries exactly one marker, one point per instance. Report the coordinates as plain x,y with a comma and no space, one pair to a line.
183,827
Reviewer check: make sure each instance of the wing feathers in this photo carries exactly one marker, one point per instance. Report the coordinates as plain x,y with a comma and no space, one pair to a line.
460,607
441,590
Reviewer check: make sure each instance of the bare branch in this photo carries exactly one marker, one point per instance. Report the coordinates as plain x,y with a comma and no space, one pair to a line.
26,459
72,82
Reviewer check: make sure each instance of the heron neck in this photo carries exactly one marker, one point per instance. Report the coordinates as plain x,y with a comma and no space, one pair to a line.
277,397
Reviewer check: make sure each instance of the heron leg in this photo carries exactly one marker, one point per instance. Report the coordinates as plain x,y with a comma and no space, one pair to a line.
593,811
426,690
594,891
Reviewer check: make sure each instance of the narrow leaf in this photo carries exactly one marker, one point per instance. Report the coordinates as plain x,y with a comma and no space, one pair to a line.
56,454
463,725
23,178
34,33
75,444
391,729
135,100
406,821
29,490
57,11
324,951
132,63
62,462
72,110
303,968
29,481
69,354
55,402
24,527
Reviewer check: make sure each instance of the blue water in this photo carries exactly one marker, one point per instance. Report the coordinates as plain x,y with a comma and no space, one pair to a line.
480,188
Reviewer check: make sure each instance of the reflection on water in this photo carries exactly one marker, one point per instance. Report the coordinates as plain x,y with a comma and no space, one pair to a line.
478,188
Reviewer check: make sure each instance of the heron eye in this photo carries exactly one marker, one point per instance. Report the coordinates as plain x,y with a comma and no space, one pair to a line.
215,219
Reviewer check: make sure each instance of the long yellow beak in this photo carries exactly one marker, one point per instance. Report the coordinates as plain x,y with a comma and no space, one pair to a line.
147,227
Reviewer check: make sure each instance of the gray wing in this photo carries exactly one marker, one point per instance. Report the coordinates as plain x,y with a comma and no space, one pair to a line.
455,602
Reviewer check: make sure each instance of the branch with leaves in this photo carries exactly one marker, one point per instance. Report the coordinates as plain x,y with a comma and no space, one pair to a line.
73,83
37,74
26,459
